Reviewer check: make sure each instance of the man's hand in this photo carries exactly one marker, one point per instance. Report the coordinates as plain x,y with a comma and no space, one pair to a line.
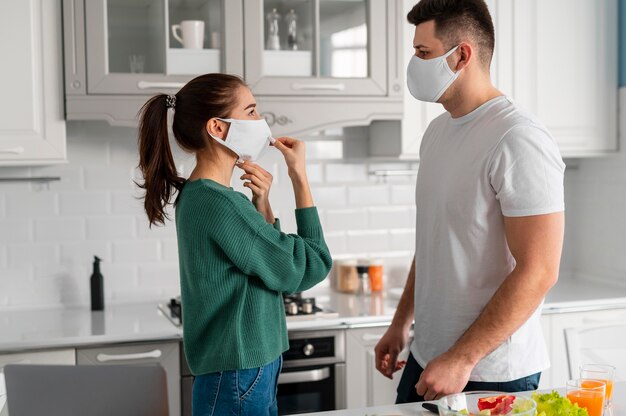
445,374
387,350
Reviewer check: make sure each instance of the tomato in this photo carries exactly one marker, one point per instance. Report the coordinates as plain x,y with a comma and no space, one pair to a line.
499,405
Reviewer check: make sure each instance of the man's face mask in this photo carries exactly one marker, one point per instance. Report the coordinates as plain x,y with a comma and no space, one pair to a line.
247,138
428,79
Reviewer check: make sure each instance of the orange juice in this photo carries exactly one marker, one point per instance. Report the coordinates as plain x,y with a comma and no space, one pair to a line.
593,401
591,383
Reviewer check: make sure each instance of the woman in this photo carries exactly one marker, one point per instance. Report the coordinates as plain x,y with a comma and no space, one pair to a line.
235,263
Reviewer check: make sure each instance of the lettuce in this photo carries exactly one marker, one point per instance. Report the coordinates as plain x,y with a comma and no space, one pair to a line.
552,404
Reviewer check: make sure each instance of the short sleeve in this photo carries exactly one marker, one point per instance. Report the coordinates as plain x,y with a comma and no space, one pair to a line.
526,173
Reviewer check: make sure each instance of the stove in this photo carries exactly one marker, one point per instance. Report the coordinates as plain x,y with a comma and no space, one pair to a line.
297,308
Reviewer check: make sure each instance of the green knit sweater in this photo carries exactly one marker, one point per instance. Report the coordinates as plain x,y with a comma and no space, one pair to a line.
234,267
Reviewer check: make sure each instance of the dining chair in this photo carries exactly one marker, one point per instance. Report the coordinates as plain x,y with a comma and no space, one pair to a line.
68,390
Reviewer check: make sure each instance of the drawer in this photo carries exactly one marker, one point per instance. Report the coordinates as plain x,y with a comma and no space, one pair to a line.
51,357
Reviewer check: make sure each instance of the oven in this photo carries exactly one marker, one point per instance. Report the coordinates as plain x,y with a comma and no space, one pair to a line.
313,378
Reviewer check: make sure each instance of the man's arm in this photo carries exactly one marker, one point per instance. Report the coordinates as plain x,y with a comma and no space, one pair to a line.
397,336
535,243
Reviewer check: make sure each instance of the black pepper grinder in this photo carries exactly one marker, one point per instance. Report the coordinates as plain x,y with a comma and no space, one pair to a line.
97,286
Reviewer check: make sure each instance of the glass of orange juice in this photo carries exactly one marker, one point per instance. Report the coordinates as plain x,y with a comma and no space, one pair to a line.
589,394
600,372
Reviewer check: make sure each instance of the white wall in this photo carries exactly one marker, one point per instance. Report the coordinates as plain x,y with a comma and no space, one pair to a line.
49,233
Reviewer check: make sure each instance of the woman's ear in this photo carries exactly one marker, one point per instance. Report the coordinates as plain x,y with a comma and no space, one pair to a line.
216,128
465,52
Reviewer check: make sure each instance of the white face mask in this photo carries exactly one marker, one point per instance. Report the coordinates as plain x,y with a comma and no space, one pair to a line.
247,138
428,79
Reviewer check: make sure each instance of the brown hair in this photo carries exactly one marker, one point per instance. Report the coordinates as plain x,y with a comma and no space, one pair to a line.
455,19
202,98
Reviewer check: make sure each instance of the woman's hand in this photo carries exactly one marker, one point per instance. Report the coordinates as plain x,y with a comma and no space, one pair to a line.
259,181
294,153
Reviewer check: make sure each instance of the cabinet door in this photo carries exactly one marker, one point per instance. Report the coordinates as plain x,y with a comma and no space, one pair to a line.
564,66
561,322
32,128
133,49
317,47
366,387
164,354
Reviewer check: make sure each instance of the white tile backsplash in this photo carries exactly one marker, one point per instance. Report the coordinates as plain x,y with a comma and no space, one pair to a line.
60,229
31,204
50,233
84,203
16,231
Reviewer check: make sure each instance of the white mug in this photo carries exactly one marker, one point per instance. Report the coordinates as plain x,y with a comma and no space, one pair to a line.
192,33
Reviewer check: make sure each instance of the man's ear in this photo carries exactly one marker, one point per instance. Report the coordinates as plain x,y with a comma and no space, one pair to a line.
216,128
464,55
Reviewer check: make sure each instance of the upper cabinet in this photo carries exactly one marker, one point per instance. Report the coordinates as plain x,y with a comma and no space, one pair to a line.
312,64
32,126
557,59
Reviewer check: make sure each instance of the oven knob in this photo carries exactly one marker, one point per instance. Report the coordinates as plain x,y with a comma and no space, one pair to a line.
308,350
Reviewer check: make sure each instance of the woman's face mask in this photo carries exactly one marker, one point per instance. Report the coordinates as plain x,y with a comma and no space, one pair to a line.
428,79
247,138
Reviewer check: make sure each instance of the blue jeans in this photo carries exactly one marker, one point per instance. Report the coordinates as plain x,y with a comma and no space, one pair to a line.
238,392
412,371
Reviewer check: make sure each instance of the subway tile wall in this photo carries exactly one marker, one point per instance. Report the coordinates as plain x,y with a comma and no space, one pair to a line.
50,232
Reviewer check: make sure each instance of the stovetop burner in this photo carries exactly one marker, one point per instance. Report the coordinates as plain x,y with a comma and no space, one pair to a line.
296,308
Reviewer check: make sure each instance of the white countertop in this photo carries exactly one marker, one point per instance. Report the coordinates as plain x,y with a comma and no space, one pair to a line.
618,407
71,327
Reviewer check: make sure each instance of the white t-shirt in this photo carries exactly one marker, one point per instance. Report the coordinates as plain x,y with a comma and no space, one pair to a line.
493,162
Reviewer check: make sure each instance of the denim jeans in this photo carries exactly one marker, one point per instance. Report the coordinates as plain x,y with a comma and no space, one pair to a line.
412,371
238,392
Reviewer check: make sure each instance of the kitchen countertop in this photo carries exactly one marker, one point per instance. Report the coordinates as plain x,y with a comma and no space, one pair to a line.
73,327
618,408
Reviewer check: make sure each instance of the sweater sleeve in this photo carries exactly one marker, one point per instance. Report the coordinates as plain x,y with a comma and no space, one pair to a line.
283,262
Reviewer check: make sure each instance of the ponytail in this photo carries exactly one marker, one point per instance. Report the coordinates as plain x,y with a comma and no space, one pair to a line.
160,179
202,98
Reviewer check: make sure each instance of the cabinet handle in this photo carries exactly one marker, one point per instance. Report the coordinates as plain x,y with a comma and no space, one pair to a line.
13,151
317,87
146,85
103,358
304,376
371,337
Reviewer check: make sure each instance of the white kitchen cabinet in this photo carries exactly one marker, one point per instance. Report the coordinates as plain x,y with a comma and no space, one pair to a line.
49,357
32,126
574,94
365,385
165,354
559,372
564,69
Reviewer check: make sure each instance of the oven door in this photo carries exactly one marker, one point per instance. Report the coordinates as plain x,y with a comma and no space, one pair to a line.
311,389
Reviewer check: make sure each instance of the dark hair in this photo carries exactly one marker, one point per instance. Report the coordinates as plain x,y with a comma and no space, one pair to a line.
202,98
455,19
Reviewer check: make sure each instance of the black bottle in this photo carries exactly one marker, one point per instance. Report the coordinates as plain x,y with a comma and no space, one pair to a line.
97,286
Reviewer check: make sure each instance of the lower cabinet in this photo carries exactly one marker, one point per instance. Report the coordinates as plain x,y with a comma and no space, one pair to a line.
365,386
559,372
165,354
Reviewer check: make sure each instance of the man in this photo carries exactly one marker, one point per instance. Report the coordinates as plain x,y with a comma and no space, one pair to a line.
490,221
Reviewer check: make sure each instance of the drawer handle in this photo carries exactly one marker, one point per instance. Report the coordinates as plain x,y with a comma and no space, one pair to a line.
371,337
13,151
103,358
304,376
146,85
318,87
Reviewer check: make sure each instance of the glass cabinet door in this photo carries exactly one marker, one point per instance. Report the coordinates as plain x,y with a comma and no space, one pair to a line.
316,47
145,46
